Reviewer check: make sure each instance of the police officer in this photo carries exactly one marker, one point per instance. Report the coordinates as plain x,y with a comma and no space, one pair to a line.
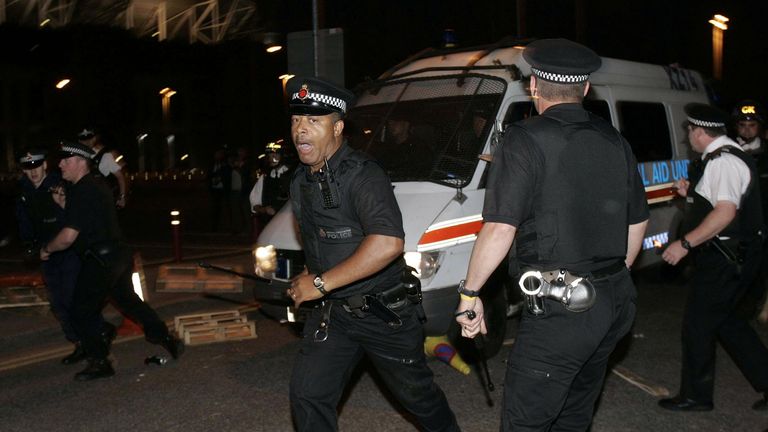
566,184
723,223
106,162
272,187
40,217
749,120
352,234
91,230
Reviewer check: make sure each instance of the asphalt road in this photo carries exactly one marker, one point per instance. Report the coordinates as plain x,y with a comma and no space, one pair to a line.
243,385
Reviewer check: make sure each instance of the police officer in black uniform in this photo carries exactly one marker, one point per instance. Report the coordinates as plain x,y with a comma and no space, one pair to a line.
352,235
723,229
91,229
566,183
40,217
272,188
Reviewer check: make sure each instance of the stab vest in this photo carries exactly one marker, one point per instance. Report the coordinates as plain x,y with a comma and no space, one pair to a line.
331,235
44,215
580,207
748,221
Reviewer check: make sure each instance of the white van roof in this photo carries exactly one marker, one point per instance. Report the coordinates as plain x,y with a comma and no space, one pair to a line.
505,60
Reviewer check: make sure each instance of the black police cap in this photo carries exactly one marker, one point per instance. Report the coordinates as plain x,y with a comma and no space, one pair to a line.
69,149
561,61
317,96
705,116
748,110
33,158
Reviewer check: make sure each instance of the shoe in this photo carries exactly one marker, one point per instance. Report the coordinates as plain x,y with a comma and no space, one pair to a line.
762,404
77,355
174,346
97,368
679,403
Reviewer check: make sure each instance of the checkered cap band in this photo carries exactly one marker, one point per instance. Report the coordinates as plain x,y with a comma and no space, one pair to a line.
328,100
559,78
706,124
31,158
76,151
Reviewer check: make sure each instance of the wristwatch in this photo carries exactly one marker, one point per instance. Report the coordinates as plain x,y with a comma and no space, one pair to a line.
320,283
466,292
685,243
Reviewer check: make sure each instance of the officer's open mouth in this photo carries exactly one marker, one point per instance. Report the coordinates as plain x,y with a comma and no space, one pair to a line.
304,147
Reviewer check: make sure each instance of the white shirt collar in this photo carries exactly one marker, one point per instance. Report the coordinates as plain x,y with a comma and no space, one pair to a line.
720,141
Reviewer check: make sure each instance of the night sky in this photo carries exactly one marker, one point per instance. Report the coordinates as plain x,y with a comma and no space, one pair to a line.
229,95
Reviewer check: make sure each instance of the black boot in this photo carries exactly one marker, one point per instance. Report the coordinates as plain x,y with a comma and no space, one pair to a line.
97,368
174,346
77,355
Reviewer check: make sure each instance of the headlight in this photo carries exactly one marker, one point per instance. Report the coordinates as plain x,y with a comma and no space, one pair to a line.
265,261
425,263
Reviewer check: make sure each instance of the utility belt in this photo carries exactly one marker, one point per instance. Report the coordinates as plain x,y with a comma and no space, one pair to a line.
573,289
99,251
735,251
382,304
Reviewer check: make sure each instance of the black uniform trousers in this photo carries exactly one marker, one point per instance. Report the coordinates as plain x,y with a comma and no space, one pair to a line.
322,369
712,314
60,273
109,277
557,366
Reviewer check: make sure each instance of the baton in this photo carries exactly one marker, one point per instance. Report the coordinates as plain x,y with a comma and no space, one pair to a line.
480,345
206,265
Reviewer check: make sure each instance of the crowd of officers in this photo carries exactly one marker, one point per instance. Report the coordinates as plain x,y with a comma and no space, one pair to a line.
569,234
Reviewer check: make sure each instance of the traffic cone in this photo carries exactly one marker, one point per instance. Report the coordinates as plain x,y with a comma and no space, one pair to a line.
438,346
129,328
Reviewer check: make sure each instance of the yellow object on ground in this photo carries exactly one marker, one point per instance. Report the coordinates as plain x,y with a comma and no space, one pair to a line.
438,346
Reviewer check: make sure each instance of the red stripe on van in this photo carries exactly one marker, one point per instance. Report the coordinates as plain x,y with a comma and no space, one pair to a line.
660,194
451,232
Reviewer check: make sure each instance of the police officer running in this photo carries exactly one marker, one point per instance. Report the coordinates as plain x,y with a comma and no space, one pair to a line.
40,214
723,229
352,235
91,230
566,184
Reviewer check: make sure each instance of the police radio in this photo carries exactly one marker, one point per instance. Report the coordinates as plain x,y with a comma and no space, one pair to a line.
329,188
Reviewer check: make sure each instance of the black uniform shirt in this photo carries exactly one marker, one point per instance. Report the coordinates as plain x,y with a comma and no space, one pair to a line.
90,210
569,182
38,215
367,206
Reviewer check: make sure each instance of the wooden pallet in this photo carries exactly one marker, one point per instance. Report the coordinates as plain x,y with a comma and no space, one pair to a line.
221,333
192,278
208,320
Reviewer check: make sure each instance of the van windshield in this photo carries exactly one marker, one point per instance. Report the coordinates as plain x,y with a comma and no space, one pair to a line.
426,129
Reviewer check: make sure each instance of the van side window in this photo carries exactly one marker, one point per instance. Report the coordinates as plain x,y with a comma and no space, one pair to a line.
644,125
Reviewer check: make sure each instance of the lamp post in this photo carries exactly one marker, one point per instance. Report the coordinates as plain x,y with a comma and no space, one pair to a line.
718,27
166,93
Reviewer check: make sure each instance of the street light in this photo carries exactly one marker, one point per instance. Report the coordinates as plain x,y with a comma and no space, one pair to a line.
63,83
718,27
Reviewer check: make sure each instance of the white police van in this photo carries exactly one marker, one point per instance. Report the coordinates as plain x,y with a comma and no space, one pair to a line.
457,104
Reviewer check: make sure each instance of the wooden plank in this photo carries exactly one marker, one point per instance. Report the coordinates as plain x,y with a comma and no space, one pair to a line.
223,333
640,382
192,278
